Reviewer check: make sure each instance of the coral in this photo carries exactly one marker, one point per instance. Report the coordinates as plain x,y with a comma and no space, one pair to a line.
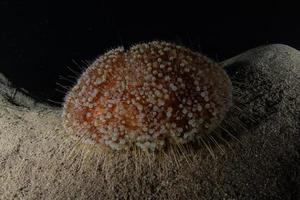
152,95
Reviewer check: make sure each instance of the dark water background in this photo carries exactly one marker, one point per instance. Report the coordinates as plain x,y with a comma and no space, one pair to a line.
39,40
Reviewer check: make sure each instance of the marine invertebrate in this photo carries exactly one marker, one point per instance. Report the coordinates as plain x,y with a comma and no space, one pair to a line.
154,94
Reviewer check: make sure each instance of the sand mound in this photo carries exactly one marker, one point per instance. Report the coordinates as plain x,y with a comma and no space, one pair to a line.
39,161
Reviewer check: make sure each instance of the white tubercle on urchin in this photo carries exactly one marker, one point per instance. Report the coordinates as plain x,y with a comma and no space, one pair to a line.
154,94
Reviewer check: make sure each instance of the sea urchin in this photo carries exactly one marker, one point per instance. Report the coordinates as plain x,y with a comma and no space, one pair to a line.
154,94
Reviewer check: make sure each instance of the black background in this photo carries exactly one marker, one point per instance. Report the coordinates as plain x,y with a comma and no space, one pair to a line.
40,40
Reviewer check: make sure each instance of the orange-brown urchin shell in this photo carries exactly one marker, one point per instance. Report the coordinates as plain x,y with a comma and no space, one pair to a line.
154,93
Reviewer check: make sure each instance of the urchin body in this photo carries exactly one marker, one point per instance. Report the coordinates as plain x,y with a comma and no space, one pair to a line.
154,94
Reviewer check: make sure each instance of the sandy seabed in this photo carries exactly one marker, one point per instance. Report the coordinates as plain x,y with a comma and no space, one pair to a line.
39,161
